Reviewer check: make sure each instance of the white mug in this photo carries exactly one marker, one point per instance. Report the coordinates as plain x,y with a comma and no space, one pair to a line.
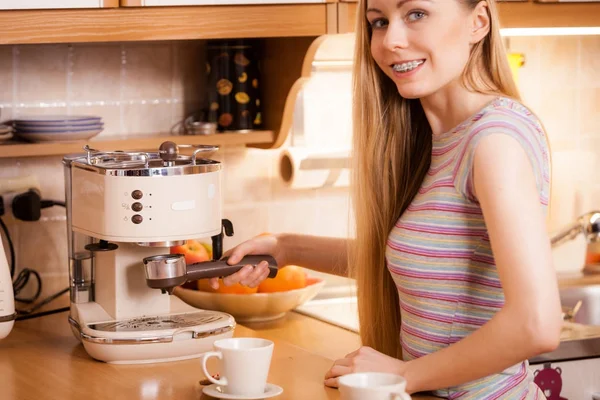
373,386
244,367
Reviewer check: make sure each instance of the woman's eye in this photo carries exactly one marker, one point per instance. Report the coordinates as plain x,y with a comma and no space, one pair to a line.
415,15
378,23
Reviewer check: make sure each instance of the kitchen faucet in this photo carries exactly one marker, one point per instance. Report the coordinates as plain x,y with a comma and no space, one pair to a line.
588,224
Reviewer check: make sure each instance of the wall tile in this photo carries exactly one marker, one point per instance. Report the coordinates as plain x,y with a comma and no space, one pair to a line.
36,111
560,61
248,221
42,74
43,246
558,112
590,109
300,216
333,215
590,61
95,72
189,78
145,119
148,71
6,75
247,176
529,81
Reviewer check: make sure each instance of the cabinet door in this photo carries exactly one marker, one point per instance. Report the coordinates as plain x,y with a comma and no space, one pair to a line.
569,380
153,3
47,4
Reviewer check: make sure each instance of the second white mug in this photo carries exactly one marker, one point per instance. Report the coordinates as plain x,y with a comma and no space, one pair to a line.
373,386
245,365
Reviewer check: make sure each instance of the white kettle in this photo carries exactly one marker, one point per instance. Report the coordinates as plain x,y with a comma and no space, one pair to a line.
7,300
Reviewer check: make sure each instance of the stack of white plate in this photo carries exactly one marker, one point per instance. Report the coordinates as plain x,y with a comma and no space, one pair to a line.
57,128
5,133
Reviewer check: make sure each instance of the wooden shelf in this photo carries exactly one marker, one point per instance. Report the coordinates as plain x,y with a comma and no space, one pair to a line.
164,23
14,150
541,15
513,15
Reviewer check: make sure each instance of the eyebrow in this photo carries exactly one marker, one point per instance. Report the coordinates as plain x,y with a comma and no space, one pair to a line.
399,4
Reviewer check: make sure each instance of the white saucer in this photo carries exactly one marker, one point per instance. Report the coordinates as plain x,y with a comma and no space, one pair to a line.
214,390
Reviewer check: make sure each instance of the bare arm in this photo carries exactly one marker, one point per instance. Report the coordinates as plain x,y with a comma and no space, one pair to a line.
323,254
530,322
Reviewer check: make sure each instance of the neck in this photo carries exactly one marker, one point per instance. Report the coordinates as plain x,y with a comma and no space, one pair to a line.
452,105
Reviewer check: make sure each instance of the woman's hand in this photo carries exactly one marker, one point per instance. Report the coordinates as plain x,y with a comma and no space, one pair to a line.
249,275
364,359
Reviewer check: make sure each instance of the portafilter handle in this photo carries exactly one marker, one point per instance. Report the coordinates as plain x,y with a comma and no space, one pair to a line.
167,271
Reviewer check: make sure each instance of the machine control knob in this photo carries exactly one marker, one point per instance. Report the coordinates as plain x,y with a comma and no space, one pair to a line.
168,151
137,219
137,206
137,194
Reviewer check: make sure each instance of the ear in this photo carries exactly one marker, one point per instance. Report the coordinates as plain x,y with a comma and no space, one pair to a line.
559,370
537,371
480,22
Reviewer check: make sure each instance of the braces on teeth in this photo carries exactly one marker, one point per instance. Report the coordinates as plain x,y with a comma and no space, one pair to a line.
407,66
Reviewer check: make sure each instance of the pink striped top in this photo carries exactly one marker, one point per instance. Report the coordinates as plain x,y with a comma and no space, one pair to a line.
439,251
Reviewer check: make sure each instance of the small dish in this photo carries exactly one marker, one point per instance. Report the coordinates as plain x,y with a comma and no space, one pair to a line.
58,129
58,136
57,119
6,136
216,391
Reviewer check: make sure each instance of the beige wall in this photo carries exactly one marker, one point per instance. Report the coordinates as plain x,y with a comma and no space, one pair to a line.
560,81
146,88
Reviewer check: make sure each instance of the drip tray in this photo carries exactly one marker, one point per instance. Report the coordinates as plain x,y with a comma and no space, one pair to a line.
160,322
339,311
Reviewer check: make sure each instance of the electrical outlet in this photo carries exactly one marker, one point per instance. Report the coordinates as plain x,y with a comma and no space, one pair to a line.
12,186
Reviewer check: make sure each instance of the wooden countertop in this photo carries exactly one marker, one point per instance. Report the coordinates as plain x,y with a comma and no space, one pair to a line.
41,359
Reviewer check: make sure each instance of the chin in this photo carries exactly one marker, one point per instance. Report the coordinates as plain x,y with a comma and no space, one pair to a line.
411,91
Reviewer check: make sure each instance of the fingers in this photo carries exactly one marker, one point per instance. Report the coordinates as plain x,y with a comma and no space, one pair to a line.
337,370
239,276
332,382
214,283
332,376
260,273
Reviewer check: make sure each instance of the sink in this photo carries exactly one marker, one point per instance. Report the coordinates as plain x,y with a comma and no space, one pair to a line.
589,312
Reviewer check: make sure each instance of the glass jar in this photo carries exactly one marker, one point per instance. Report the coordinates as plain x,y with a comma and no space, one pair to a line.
234,85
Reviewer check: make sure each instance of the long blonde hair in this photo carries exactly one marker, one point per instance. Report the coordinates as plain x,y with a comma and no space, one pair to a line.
391,156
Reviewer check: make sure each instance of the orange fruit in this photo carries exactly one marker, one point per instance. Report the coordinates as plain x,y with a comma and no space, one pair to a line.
204,285
592,258
289,277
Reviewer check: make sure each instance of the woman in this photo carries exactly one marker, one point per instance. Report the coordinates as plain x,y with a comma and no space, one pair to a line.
448,165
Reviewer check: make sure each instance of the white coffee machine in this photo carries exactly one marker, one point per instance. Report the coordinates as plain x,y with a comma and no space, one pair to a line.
124,211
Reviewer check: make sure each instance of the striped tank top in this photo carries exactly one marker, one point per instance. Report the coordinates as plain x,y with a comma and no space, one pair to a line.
439,251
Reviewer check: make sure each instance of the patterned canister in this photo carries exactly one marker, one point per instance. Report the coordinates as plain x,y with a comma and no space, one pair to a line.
234,85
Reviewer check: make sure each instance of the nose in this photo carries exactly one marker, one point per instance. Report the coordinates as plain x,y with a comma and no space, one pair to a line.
396,36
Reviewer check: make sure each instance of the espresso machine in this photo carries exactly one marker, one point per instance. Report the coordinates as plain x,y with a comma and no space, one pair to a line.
125,209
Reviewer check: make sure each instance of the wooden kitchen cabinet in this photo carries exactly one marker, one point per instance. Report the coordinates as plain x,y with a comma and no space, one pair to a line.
56,4
513,14
162,3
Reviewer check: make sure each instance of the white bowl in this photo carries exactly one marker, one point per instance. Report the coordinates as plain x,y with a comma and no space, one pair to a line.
256,307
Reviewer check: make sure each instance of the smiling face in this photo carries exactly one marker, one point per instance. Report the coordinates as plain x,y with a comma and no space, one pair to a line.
423,45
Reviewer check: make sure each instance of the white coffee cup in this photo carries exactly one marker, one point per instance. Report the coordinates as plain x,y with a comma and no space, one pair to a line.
373,386
244,367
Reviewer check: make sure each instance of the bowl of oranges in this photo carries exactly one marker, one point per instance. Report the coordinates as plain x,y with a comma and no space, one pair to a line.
272,299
